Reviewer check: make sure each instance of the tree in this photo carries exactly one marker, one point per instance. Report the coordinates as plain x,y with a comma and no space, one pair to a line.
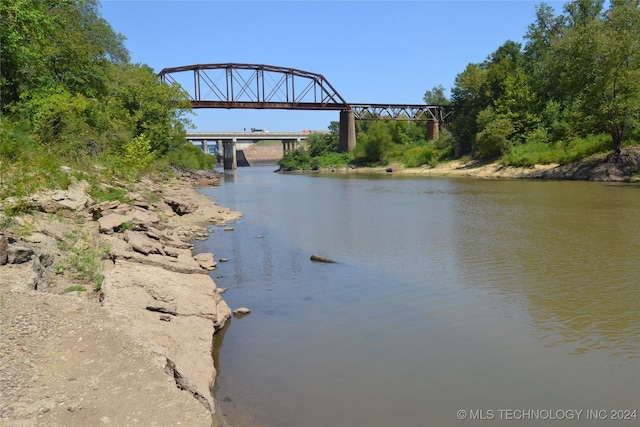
47,46
321,144
375,144
601,67
469,98
494,137
436,96
147,106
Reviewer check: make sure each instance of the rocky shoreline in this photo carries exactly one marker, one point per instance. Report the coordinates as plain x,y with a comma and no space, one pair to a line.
133,347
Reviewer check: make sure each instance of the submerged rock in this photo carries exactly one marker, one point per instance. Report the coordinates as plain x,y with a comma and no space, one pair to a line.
319,258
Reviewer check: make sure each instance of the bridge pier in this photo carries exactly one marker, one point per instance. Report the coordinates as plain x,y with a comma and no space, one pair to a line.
433,130
289,145
229,161
347,139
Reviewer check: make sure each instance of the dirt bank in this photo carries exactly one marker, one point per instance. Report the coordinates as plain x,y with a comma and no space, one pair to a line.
599,167
136,352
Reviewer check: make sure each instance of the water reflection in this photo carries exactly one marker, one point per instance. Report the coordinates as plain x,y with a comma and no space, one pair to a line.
565,252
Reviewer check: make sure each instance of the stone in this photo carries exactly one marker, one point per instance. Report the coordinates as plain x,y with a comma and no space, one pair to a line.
162,307
180,206
18,254
241,311
205,260
109,223
4,248
139,242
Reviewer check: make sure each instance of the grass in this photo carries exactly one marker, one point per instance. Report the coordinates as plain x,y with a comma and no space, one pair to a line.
75,288
83,262
540,152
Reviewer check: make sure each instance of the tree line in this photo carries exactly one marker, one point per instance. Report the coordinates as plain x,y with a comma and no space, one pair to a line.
70,94
578,75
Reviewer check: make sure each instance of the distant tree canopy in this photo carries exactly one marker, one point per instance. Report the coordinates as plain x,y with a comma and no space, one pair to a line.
66,75
578,74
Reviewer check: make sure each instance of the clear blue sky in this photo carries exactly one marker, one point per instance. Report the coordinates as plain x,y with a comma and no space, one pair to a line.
370,51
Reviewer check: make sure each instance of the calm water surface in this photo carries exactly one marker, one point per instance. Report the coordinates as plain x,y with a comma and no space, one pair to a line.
447,295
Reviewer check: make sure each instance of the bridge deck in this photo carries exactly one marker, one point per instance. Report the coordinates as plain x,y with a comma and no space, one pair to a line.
249,136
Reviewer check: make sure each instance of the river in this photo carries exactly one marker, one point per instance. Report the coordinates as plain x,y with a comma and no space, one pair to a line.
452,302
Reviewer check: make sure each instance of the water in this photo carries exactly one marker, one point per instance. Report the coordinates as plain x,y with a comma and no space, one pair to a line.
447,295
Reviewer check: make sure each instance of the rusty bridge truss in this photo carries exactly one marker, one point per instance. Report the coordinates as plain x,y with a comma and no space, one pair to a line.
259,86
255,86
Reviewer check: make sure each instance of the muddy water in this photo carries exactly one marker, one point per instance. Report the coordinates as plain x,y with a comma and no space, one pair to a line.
500,302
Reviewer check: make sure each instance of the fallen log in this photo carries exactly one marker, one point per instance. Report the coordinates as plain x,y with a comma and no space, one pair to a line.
319,258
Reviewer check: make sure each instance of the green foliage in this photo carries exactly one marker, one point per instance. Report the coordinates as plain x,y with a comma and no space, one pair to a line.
374,146
436,96
188,156
25,167
137,153
578,75
335,160
102,193
75,288
320,144
494,137
71,95
83,262
429,153
297,160
538,151
127,225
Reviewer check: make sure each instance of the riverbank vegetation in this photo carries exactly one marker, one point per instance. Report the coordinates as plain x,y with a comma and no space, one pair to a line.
69,96
571,91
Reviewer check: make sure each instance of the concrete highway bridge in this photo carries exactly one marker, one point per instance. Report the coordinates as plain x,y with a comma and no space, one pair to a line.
227,144
259,86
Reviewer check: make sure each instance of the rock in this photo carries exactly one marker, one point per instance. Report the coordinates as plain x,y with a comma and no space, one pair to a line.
171,251
112,222
205,260
4,246
162,307
140,243
240,312
179,206
18,254
319,258
142,218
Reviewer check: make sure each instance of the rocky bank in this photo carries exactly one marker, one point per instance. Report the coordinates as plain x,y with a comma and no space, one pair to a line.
131,343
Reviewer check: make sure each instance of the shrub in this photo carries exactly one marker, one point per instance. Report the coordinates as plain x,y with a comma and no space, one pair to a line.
297,160
534,151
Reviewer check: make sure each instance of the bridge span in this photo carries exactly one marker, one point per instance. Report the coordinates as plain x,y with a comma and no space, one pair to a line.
259,86
233,141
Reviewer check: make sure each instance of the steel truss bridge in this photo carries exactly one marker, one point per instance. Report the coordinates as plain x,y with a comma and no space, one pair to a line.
259,86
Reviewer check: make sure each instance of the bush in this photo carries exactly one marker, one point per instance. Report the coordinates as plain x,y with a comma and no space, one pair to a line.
493,140
296,160
534,151
190,157
375,146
